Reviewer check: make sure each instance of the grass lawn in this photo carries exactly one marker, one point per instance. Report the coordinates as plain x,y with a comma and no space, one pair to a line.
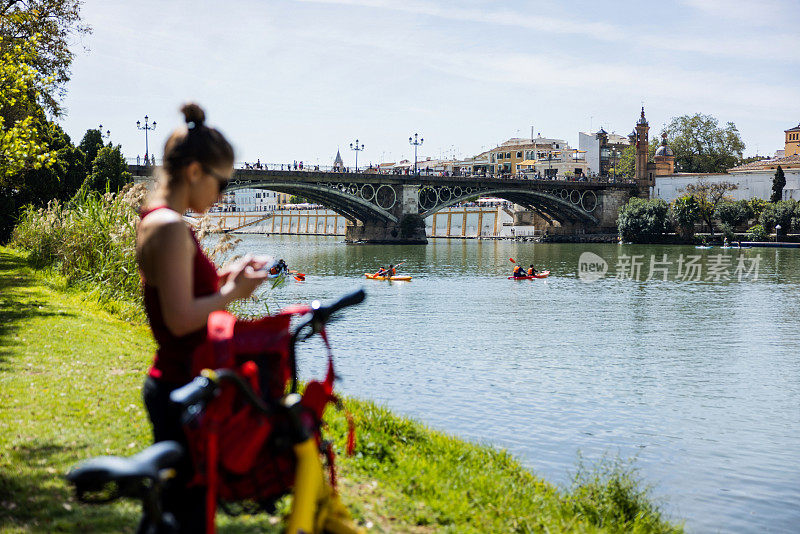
70,388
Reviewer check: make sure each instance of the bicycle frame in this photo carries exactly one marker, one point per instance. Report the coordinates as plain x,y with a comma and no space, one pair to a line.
316,506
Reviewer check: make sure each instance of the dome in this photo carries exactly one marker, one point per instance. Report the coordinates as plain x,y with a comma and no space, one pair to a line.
664,150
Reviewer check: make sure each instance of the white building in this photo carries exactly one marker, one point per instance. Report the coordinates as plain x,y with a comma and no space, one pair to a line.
590,145
753,180
248,200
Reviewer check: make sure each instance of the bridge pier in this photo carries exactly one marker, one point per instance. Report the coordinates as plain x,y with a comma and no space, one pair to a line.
409,228
410,231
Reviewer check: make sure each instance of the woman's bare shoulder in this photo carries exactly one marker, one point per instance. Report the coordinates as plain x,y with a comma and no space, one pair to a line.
163,224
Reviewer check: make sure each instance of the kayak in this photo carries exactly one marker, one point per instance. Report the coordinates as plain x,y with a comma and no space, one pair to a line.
393,278
543,274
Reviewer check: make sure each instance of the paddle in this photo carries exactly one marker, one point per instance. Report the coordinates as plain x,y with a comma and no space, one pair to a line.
303,279
297,273
511,260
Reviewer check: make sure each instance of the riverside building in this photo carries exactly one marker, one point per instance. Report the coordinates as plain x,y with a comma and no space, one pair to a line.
540,156
752,180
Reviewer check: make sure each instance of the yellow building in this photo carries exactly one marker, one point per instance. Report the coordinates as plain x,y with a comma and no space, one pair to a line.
792,141
550,157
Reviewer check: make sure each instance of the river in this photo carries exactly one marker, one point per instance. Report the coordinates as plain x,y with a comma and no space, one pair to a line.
696,378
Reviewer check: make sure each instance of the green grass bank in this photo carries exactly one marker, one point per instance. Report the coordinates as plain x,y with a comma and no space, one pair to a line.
70,381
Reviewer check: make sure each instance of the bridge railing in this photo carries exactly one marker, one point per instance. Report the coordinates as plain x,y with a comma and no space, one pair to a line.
403,172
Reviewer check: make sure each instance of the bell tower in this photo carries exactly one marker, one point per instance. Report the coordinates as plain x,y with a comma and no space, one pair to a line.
643,179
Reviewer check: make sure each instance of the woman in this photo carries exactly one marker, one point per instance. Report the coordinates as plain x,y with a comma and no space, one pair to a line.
182,286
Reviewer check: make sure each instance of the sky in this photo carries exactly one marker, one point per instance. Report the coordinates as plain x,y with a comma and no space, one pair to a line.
294,80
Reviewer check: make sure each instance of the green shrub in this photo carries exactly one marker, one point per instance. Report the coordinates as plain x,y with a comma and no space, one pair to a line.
684,212
727,232
642,221
90,240
757,233
733,213
757,205
782,212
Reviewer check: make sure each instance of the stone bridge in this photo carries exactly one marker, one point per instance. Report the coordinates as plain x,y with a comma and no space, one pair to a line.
383,208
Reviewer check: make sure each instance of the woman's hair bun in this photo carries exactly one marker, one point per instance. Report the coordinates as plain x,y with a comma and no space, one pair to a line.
193,113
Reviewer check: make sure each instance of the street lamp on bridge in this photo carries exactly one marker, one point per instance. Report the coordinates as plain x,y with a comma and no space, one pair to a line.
357,149
416,141
147,127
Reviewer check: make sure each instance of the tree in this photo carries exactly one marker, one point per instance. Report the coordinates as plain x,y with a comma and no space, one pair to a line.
91,144
781,213
22,122
626,165
757,205
708,196
62,178
109,171
778,183
733,214
685,212
700,145
643,221
52,25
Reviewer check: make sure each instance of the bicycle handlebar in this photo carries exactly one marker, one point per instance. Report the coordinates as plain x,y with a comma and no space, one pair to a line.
321,314
205,386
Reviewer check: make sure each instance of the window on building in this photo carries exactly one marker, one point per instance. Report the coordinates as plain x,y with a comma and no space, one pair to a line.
519,155
508,155
500,155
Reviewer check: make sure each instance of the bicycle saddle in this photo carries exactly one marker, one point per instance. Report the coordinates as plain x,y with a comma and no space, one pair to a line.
93,477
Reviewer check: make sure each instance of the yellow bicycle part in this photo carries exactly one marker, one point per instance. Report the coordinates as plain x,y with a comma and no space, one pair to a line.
316,507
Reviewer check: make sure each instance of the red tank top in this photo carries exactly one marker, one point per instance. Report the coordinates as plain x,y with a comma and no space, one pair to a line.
173,359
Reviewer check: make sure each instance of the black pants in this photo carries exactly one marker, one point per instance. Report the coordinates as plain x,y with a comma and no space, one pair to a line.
186,504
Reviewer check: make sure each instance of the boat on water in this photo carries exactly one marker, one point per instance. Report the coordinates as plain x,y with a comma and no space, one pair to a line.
704,246
543,274
392,278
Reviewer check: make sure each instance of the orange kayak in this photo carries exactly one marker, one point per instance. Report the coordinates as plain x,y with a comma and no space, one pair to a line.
393,278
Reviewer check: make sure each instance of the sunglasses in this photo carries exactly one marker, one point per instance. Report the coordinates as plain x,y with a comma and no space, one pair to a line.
222,181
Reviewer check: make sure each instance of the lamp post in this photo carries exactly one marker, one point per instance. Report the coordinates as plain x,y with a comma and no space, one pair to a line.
778,229
416,141
357,149
614,155
104,135
147,127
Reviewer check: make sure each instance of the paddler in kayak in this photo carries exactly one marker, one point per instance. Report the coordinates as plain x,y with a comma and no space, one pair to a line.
391,271
279,267
531,271
518,272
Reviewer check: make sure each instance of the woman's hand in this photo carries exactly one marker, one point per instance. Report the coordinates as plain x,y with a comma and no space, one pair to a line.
243,276
256,262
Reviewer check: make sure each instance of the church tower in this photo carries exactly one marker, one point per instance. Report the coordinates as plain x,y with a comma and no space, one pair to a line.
338,164
643,179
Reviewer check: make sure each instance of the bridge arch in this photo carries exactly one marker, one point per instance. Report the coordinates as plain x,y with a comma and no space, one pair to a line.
555,206
345,199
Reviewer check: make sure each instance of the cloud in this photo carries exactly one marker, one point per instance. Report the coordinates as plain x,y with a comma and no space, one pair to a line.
773,47
763,12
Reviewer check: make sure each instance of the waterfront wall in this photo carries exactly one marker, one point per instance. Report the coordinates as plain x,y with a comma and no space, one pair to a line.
457,222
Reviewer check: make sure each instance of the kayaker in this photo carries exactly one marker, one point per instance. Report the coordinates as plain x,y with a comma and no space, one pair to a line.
392,271
518,272
381,272
531,271
279,267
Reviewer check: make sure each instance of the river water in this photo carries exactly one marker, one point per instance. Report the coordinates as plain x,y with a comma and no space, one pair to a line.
696,377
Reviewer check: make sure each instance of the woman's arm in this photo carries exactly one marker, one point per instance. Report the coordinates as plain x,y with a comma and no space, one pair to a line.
172,258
